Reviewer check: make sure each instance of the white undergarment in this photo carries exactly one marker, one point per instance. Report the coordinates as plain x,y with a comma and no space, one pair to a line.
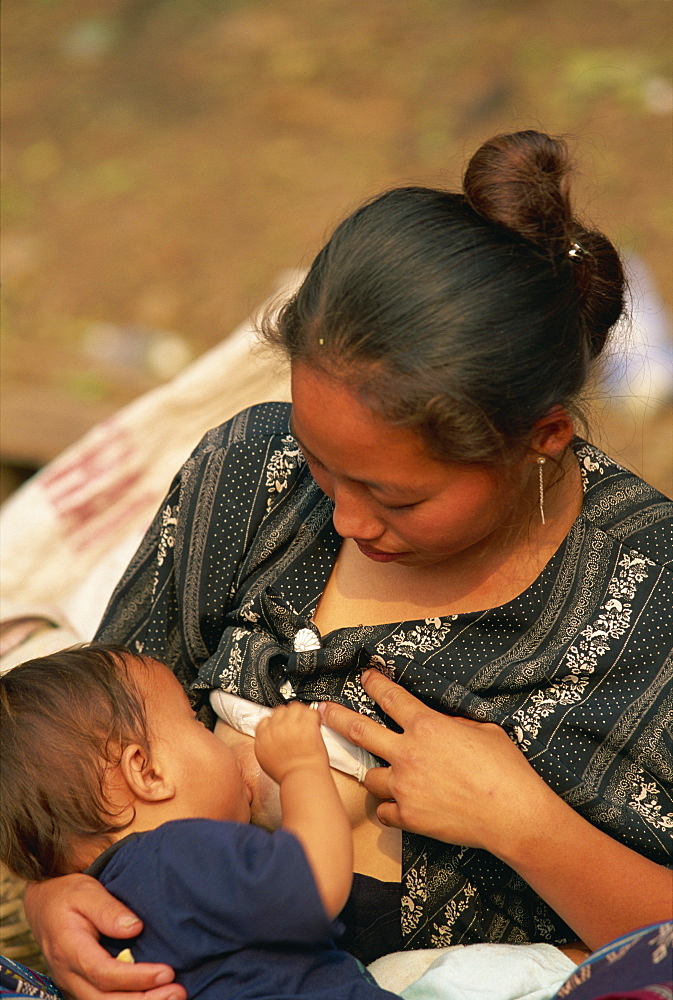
244,715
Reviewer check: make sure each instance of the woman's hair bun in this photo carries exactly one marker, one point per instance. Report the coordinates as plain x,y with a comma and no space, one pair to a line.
601,284
520,181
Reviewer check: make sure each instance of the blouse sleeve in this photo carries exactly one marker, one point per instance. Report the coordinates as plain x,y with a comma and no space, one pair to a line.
173,599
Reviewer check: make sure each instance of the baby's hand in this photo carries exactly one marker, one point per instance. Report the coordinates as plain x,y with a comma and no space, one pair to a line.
288,739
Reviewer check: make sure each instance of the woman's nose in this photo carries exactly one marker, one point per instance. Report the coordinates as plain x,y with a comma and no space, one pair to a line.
354,517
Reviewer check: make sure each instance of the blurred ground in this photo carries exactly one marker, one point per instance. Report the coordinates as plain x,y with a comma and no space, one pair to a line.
164,160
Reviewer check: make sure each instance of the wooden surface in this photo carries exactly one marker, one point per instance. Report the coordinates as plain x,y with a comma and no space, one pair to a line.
50,396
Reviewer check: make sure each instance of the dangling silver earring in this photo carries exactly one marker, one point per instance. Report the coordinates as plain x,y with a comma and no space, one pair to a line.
540,463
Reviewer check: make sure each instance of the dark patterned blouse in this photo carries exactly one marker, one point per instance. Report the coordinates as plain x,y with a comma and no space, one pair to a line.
578,668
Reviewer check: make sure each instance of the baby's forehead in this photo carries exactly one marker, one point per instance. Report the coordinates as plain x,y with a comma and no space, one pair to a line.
152,675
140,661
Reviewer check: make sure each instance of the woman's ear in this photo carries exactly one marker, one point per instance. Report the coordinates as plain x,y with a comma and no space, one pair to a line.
552,433
143,776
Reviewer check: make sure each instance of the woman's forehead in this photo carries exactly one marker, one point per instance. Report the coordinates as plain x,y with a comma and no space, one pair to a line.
322,403
332,424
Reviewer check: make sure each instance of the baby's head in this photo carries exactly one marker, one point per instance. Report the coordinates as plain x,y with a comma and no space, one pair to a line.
95,743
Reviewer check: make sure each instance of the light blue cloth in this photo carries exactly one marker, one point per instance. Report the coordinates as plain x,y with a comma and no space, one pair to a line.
493,972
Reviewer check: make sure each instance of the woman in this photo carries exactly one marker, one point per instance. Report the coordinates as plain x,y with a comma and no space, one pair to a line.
425,508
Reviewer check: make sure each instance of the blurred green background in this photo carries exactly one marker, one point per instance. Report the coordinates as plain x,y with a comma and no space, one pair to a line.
164,160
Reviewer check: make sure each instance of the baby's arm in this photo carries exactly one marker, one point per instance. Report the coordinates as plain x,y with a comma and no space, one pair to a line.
290,749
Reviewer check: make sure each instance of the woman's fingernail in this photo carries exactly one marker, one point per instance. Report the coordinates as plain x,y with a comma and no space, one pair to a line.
128,922
365,674
163,977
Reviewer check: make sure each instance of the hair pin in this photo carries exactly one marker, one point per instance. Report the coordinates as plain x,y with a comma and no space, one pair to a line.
576,250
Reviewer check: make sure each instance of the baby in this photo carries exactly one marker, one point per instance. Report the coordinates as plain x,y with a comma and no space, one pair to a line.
105,769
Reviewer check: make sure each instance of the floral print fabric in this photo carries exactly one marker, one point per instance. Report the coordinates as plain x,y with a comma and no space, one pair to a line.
638,966
578,669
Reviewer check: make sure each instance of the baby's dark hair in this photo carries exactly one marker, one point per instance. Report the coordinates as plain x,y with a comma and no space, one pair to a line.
64,721
463,316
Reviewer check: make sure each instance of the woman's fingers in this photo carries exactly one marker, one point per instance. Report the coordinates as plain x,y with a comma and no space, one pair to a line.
388,814
80,899
99,976
377,781
359,729
67,915
102,975
395,701
80,989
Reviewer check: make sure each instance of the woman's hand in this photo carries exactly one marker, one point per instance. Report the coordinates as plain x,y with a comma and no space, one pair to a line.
450,778
466,783
67,915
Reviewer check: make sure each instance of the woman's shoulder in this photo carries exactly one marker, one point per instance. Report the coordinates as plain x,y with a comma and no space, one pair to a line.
246,444
245,464
254,424
621,504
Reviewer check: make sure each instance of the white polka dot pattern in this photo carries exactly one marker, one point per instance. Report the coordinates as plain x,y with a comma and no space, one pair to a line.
577,668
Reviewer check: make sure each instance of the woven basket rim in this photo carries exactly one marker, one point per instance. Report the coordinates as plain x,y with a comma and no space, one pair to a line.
16,938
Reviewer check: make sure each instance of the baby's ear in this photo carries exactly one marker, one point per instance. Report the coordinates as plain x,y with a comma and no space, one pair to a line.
143,777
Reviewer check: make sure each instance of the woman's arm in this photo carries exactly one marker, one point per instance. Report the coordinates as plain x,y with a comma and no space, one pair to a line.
466,783
67,915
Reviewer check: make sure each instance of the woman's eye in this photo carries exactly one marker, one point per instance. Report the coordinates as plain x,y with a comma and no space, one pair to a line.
401,506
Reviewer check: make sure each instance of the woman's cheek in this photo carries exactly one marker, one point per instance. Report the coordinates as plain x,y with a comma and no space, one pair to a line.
322,480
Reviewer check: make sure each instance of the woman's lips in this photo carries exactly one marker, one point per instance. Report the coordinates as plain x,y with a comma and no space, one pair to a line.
378,556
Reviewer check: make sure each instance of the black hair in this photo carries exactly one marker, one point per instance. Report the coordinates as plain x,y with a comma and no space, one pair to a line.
464,316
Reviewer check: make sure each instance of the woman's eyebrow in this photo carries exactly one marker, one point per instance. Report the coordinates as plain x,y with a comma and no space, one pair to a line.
300,442
392,488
